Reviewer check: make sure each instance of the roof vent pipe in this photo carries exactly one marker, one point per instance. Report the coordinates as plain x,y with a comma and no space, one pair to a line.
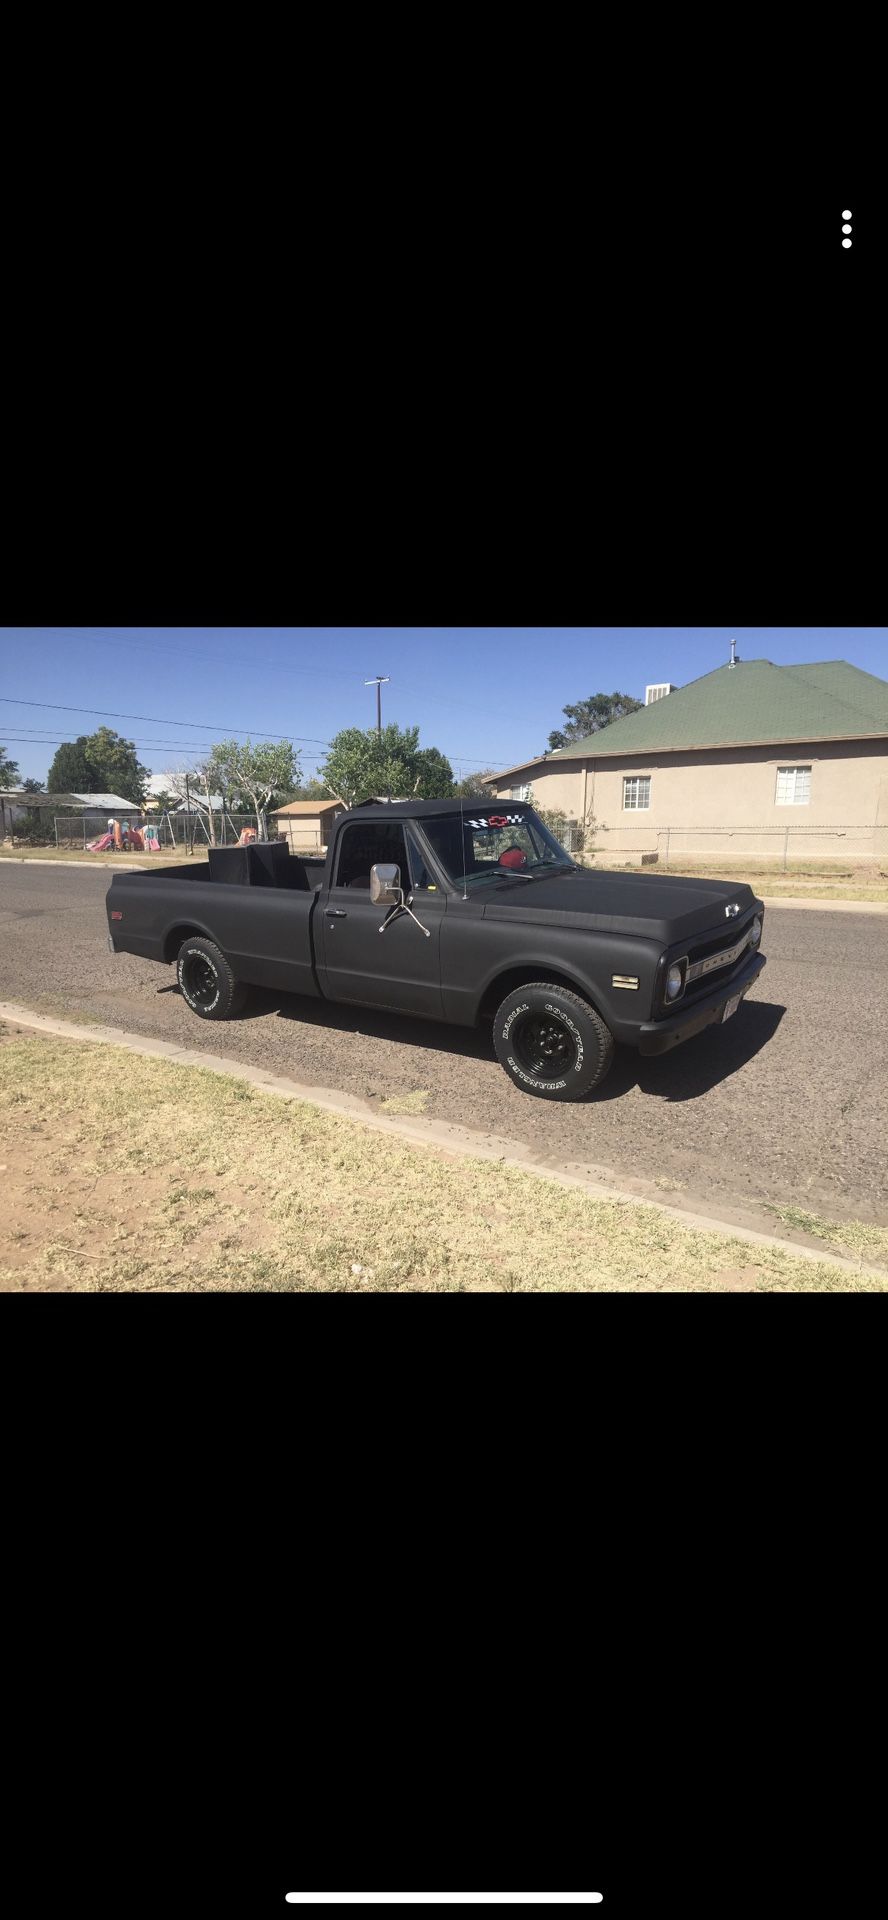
733,662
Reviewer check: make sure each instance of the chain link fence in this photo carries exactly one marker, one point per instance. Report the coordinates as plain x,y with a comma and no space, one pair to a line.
669,846
172,830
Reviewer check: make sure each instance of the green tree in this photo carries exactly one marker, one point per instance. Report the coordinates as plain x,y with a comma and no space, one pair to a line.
435,775
9,772
32,786
360,764
100,762
472,787
589,716
72,770
261,772
313,790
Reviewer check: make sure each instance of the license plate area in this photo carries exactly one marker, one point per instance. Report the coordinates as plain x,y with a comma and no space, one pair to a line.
731,1007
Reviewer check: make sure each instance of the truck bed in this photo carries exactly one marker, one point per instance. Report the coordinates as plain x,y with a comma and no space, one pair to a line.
265,931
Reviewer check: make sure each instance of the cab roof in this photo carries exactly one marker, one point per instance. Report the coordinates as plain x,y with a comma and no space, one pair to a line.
424,809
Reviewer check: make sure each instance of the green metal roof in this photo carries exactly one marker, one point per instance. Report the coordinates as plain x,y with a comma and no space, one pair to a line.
751,703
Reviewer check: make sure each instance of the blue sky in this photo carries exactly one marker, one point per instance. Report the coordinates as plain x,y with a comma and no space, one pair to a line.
487,696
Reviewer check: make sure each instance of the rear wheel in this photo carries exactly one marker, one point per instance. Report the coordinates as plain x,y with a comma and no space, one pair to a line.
552,1043
207,982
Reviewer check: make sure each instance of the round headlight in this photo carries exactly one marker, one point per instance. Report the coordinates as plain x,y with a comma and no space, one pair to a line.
755,932
674,982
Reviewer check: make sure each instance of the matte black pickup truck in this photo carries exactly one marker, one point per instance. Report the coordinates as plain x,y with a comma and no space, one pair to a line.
461,914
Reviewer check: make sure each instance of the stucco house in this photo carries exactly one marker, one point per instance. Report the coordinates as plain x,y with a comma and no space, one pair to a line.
751,758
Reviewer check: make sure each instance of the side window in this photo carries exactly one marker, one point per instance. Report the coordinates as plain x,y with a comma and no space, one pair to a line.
366,844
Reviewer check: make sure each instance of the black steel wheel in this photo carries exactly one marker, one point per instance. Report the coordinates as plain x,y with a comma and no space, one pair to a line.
551,1042
207,982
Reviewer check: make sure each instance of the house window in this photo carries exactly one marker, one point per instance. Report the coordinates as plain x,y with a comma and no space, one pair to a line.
637,793
793,787
518,793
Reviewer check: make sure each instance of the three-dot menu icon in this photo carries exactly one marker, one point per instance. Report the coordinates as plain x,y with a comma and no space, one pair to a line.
846,215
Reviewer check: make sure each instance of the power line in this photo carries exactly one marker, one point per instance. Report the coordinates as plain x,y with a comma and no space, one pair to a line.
160,720
105,637
475,763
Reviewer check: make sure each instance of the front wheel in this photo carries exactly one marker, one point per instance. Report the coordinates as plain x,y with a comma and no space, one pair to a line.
207,982
552,1043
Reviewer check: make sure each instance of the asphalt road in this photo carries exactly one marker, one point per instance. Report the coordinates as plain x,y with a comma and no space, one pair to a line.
788,1103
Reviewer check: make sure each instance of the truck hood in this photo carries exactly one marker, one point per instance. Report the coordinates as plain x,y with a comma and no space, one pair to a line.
662,907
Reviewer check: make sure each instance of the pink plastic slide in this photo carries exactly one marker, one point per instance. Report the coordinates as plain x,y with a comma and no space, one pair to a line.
102,845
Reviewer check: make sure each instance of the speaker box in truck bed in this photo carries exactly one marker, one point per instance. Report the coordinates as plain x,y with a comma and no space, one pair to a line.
264,863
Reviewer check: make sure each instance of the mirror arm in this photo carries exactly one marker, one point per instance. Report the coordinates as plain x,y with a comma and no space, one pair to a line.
400,906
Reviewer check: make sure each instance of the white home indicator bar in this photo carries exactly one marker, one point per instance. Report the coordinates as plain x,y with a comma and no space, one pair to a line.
444,1899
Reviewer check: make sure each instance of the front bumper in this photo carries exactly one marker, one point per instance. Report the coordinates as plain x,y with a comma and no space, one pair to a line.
658,1036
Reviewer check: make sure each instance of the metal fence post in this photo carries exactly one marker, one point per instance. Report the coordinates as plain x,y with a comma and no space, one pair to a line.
55,822
668,831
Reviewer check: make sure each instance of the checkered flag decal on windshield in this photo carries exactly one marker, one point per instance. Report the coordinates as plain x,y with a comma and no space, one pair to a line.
499,820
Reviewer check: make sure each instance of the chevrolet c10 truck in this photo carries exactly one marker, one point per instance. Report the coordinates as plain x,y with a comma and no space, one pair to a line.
466,914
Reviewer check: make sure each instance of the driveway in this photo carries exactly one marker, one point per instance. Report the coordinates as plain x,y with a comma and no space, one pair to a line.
786,1104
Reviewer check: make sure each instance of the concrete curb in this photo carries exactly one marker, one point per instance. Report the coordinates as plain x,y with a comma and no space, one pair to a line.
447,1136
24,860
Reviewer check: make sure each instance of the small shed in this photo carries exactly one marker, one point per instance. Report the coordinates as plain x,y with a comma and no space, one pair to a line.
306,825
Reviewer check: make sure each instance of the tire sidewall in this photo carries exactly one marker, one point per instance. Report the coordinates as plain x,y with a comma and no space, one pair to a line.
206,952
584,1069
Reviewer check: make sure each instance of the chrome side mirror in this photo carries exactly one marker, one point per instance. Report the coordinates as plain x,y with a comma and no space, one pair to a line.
385,885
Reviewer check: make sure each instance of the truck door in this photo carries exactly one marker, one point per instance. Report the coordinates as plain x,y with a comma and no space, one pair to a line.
399,968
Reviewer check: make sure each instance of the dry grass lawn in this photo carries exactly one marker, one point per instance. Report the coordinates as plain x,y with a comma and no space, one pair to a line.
167,858
119,1173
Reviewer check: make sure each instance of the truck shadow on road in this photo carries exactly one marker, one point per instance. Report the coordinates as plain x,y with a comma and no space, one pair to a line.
700,1064
685,1074
336,1017
475,1043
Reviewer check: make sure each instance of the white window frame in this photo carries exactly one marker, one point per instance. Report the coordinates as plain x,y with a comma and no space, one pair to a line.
518,793
791,796
637,805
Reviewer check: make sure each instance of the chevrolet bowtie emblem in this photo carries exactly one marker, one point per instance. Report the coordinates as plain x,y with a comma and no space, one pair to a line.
731,910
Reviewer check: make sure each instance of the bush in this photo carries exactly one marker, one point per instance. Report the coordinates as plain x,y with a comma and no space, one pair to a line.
35,829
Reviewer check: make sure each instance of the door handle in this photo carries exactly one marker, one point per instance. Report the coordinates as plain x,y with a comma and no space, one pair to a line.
336,913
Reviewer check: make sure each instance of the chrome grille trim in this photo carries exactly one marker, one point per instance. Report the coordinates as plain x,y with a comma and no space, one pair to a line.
724,958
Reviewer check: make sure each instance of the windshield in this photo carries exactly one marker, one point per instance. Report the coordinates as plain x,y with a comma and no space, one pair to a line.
495,846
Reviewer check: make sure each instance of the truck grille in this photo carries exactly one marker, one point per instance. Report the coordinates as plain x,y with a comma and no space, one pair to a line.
711,961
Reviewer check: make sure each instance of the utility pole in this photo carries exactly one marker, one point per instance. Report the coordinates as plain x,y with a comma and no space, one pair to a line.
379,681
